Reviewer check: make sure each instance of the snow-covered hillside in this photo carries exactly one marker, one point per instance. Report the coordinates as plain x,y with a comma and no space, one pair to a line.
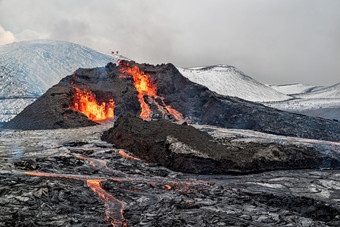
323,92
29,68
292,89
315,101
35,66
298,98
326,107
228,80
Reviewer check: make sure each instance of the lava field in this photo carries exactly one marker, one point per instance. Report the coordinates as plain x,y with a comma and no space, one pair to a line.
70,177
141,145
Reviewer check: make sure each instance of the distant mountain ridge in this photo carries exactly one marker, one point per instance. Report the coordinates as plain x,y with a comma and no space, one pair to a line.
293,89
317,101
228,80
323,92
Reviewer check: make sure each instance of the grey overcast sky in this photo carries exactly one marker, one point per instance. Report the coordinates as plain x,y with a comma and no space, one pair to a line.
273,41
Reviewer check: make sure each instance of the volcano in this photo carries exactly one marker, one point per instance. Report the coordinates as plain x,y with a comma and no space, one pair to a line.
160,92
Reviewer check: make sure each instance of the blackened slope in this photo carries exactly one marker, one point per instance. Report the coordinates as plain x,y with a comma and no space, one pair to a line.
52,110
206,107
184,148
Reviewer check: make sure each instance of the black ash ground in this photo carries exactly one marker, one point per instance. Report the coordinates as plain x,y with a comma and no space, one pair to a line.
275,198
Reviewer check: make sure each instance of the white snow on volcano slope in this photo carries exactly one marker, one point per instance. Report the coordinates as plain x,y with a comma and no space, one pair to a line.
323,92
315,101
326,108
29,68
296,98
12,106
35,66
228,80
291,89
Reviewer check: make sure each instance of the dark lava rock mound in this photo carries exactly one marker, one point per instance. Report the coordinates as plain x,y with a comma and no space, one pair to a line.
184,148
195,102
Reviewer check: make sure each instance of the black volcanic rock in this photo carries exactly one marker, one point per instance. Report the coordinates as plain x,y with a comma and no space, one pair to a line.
52,110
187,149
196,102
152,195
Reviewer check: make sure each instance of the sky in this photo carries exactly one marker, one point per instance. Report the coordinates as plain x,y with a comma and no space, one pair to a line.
273,41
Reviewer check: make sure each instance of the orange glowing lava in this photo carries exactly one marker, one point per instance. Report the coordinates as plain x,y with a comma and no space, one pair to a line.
115,207
177,115
125,155
97,163
85,101
116,218
168,187
112,204
145,86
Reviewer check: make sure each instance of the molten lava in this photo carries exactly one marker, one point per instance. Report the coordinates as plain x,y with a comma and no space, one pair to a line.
85,101
145,86
112,204
115,207
125,155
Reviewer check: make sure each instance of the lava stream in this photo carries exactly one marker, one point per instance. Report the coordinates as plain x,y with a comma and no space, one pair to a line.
115,207
125,155
112,204
101,165
145,86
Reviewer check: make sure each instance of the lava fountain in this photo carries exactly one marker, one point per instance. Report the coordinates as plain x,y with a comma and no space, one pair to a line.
85,102
144,86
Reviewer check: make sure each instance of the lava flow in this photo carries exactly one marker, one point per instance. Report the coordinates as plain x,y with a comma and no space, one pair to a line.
85,102
115,207
112,204
145,86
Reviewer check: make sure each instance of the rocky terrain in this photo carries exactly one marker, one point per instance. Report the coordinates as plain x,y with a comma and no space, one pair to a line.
187,149
194,102
69,177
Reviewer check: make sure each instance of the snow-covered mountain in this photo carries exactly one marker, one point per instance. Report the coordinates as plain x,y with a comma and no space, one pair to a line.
29,68
322,92
298,98
313,100
293,89
228,80
326,107
36,65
